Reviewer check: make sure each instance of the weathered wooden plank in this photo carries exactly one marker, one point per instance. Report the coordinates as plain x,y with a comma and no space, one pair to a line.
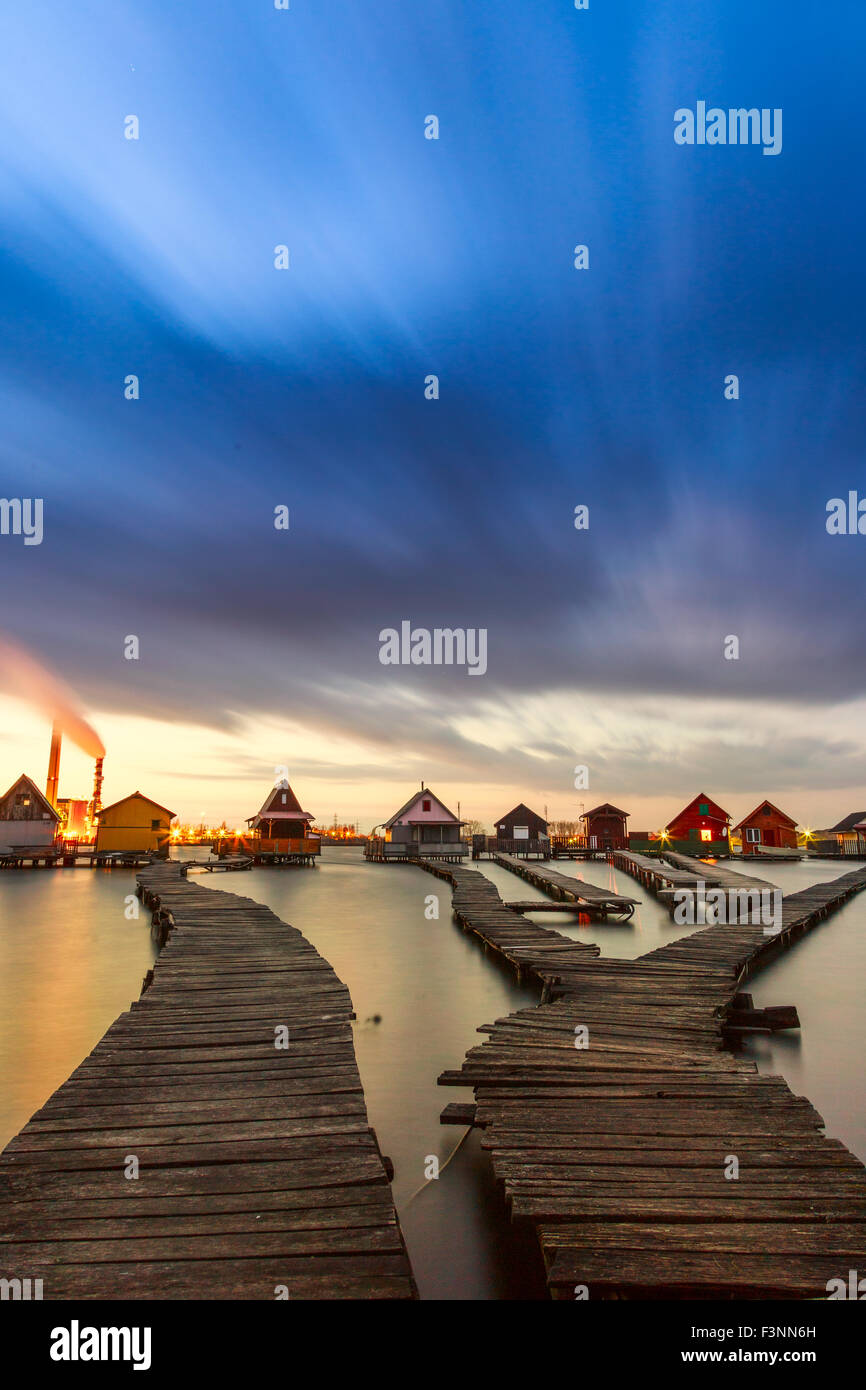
257,1166
632,1135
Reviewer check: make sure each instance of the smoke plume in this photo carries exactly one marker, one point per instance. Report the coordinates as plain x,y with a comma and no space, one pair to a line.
24,676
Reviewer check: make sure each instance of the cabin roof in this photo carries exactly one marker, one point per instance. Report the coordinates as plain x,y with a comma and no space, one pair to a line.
291,802
855,818
141,796
752,814
605,809
715,811
520,810
34,791
416,796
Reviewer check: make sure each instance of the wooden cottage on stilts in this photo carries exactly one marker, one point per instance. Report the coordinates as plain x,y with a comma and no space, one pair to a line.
423,828
280,832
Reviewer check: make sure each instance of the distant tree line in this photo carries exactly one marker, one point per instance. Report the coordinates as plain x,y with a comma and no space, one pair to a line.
568,828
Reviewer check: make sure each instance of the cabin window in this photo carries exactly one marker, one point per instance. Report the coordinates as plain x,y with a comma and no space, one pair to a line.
765,811
706,834
703,809
753,835
425,805
154,825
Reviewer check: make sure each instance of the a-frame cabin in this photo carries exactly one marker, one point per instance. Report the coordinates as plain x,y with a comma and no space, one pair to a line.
280,831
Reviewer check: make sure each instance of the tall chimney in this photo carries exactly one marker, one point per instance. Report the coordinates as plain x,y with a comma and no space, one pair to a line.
96,804
54,764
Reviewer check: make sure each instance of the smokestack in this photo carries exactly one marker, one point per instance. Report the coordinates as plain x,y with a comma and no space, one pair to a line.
96,804
54,764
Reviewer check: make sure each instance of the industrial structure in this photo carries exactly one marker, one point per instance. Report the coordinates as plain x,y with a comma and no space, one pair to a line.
73,822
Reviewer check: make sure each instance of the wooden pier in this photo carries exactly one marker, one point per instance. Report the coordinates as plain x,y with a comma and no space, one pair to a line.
258,1175
228,864
525,946
652,1162
668,878
589,897
717,875
80,857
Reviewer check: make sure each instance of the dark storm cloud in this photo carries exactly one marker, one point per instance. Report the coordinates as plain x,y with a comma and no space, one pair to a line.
410,257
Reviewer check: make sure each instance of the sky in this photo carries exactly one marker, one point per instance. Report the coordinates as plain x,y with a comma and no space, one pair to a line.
305,388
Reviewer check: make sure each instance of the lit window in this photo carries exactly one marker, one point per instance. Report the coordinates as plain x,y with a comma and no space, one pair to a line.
706,834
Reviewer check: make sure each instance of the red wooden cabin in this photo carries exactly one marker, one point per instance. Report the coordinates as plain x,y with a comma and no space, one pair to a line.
767,825
606,827
700,827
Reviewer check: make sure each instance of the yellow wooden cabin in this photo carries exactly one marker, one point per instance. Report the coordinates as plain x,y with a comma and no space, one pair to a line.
134,825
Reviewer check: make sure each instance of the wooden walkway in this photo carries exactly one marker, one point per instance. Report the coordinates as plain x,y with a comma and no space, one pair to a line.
717,875
566,888
619,1142
739,948
654,874
668,877
258,1171
525,946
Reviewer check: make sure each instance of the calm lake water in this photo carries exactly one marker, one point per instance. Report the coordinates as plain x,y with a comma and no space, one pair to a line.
70,962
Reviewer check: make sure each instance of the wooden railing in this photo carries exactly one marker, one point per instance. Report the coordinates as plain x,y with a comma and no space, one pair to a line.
508,846
253,844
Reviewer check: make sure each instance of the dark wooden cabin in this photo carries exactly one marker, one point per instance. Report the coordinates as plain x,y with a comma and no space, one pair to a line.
521,824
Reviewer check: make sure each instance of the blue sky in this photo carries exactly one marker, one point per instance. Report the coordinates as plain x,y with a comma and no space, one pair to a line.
558,387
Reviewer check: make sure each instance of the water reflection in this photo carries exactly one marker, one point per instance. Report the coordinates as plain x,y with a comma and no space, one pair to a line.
70,962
